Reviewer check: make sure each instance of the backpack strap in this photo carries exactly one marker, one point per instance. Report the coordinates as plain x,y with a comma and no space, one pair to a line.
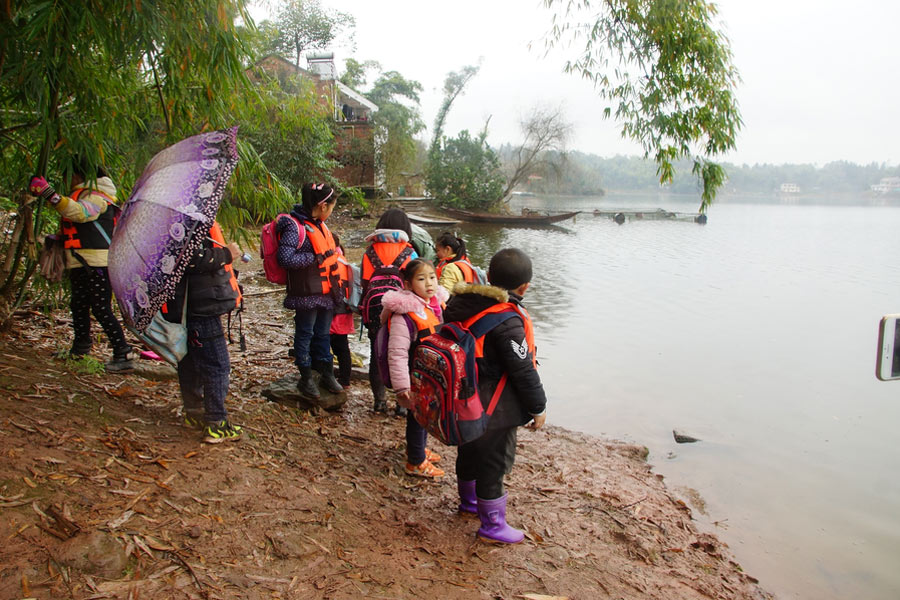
110,205
401,258
301,232
374,258
482,323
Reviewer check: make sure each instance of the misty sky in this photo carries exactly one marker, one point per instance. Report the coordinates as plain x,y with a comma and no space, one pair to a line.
820,79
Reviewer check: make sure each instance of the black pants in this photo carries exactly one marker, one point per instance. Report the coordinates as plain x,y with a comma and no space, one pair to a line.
487,460
91,292
340,347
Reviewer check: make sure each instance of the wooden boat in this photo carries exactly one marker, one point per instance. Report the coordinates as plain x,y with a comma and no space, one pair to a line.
533,218
431,220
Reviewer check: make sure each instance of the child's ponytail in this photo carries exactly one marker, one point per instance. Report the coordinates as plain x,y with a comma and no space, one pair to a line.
456,244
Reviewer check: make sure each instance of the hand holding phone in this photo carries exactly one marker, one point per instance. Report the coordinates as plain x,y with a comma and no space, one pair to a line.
887,365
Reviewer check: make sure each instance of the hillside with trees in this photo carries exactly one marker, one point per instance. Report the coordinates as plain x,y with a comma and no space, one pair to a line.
579,173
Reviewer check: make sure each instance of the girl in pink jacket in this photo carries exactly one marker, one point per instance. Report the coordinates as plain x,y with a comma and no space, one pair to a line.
410,315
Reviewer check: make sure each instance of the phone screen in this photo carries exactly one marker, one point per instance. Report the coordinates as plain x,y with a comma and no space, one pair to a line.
887,366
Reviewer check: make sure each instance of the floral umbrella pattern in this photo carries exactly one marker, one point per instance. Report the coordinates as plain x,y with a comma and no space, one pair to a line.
166,219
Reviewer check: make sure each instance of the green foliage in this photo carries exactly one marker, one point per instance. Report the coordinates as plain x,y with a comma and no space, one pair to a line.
291,132
466,173
111,82
355,72
355,199
85,365
462,171
666,74
396,123
303,25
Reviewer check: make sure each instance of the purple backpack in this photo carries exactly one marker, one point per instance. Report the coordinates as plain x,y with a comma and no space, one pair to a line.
381,349
384,279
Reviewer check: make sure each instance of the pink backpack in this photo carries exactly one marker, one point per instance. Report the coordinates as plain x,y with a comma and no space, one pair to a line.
268,249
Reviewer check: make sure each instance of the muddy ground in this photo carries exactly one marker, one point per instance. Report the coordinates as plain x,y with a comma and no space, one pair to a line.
104,493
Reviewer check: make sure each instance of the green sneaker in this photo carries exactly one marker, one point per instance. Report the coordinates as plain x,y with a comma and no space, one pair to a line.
223,431
194,421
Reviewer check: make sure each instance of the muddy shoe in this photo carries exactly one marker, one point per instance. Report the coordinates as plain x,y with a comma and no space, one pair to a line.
120,365
327,379
400,411
223,431
380,406
307,385
193,421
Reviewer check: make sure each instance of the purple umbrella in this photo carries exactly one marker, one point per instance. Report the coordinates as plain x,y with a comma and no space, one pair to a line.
166,219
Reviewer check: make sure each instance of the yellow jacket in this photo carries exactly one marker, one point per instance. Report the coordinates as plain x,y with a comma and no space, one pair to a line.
88,207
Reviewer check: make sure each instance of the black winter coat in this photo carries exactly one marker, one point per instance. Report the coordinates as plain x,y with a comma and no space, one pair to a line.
208,285
524,394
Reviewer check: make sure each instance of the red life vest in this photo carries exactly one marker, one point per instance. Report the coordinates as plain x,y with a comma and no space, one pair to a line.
94,235
322,277
465,267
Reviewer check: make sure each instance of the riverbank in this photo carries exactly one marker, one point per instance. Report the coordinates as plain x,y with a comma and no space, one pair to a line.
307,505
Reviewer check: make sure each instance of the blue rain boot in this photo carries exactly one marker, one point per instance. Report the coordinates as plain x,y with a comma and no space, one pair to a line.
493,522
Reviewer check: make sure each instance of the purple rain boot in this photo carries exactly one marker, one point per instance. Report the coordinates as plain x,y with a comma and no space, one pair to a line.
493,522
468,501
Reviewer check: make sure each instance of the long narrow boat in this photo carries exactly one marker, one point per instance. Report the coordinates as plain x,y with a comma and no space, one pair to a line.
431,220
528,219
657,214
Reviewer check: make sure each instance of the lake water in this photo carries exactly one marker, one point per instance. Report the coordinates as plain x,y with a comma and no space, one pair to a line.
755,333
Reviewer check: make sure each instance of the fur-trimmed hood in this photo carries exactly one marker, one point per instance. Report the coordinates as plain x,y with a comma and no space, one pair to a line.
490,291
405,301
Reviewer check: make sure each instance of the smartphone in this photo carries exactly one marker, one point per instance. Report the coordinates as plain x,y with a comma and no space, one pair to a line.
887,366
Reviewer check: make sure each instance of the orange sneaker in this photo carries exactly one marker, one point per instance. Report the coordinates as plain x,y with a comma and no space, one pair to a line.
432,456
426,469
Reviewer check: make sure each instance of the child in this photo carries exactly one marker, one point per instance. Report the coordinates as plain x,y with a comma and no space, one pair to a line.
508,351
88,216
453,265
342,324
390,242
212,291
313,285
419,304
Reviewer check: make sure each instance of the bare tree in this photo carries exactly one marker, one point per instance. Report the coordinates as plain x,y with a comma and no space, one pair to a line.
545,129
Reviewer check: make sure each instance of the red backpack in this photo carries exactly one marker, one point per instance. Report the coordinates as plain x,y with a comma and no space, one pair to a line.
268,249
444,378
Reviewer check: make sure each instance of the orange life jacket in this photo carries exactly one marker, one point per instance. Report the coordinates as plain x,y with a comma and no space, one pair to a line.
95,234
324,276
427,325
468,271
387,252
504,307
215,232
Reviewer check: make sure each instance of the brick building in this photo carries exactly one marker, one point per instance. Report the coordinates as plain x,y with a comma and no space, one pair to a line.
351,111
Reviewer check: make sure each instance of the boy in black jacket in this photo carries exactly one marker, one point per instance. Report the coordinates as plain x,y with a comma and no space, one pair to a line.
508,360
212,290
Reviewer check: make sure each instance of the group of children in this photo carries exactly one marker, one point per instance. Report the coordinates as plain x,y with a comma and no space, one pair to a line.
431,294
317,293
